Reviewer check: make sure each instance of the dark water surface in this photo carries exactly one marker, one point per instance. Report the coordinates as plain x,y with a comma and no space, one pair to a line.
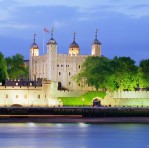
78,135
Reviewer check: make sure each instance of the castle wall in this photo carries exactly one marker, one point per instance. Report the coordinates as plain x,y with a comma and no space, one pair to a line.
127,99
26,96
39,67
67,67
64,93
47,95
130,94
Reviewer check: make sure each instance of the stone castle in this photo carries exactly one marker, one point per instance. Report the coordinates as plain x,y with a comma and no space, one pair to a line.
51,77
60,68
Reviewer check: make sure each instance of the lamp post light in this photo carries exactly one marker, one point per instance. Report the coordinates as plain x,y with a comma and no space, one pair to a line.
83,101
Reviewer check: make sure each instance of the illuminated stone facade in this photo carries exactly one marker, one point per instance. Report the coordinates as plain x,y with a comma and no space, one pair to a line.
60,68
33,94
47,95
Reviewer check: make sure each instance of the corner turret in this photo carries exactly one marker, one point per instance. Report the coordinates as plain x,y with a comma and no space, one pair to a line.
34,50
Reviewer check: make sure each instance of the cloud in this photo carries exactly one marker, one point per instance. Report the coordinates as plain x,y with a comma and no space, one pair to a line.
135,9
86,9
16,26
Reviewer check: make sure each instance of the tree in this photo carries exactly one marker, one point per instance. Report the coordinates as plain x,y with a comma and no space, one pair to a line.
124,73
3,69
101,72
16,67
143,74
94,72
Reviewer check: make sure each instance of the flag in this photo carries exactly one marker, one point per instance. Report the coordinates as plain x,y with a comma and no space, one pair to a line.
46,30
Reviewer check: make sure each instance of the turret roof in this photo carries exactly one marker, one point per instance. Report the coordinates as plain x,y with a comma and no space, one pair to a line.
74,44
96,41
34,45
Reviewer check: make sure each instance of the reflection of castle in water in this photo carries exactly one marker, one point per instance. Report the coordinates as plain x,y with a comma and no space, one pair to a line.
60,67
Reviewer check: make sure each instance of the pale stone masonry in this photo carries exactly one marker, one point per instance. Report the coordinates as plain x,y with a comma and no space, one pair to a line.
60,68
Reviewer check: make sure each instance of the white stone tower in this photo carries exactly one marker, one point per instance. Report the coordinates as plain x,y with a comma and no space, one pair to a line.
34,51
52,59
96,46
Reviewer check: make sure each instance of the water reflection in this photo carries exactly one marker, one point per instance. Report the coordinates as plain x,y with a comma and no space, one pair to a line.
81,135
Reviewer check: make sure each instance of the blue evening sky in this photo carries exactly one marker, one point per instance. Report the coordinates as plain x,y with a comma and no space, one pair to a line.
123,25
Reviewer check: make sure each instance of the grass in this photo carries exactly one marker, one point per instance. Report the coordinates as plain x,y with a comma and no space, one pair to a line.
84,100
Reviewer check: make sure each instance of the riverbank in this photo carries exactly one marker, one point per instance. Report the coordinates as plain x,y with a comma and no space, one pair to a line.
76,120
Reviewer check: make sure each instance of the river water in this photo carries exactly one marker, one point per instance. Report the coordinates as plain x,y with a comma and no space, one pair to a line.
78,135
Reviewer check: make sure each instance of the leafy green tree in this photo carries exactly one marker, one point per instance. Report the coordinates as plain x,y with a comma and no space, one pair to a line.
143,73
16,67
101,72
3,69
94,72
124,73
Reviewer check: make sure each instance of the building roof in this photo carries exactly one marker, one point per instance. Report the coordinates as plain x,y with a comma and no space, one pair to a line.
52,41
34,45
96,41
74,44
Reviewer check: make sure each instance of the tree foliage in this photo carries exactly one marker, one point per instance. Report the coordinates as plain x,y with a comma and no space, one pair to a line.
143,74
120,73
3,68
124,73
16,67
94,72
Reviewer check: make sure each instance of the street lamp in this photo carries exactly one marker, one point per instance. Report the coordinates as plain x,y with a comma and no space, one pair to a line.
83,101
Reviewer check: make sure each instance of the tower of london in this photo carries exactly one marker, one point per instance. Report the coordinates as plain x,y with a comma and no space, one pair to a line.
60,68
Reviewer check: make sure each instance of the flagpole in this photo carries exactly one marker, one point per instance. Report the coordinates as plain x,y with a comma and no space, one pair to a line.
43,42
